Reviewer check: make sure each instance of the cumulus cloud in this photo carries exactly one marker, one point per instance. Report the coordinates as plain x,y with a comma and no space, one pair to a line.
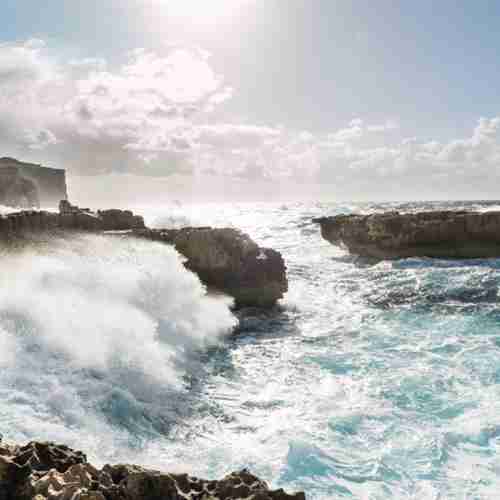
95,119
160,114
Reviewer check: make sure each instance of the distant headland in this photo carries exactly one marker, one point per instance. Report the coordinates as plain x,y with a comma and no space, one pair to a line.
28,185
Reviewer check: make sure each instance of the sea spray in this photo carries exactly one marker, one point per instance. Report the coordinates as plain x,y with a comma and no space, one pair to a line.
370,381
96,338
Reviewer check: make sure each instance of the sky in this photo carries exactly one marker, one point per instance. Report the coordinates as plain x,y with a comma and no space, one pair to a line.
245,100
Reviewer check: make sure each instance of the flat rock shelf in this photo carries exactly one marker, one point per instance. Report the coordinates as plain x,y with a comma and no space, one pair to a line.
395,235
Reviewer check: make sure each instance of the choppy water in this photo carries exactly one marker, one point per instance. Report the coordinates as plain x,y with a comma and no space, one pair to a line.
370,381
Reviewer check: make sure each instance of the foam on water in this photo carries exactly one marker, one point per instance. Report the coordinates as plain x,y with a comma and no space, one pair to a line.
97,335
371,381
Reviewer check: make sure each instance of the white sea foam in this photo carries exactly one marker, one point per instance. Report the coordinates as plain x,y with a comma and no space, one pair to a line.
98,329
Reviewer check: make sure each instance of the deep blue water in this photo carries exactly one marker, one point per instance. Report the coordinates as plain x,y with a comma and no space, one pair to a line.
371,380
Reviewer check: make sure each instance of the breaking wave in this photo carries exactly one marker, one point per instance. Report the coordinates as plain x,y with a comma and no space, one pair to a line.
98,337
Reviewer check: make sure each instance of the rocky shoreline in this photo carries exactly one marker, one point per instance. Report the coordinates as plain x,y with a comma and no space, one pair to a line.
223,258
47,471
395,235
228,260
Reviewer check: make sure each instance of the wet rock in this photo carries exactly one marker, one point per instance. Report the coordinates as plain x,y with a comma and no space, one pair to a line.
229,260
394,235
223,258
55,472
42,456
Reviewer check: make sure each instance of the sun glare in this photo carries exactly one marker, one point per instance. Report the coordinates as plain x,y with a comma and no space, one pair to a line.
204,10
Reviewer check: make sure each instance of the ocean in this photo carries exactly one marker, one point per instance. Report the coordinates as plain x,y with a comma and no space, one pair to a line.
370,380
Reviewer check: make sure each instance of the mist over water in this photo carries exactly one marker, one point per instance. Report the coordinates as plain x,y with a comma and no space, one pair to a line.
372,380
97,336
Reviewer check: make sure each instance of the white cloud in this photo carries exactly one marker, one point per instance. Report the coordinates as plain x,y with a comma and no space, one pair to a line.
93,119
158,115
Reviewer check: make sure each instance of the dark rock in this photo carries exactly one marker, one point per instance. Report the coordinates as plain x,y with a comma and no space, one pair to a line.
45,456
73,217
230,261
120,220
394,235
54,472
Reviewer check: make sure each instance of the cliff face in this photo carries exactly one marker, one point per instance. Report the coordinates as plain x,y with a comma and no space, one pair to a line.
16,190
27,184
229,260
393,235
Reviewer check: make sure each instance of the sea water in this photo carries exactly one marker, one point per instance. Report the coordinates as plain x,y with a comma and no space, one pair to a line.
370,380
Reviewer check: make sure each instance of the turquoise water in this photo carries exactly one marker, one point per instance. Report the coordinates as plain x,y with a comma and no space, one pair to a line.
371,380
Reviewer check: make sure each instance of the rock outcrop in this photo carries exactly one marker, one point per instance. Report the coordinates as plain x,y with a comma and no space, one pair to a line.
46,471
28,185
73,217
18,224
230,261
223,258
394,235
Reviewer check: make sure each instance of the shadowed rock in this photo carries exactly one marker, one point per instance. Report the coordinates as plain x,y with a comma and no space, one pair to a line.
30,185
230,261
73,217
393,235
54,472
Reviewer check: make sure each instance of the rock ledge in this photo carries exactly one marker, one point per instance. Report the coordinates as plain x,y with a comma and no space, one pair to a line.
395,235
228,260
223,258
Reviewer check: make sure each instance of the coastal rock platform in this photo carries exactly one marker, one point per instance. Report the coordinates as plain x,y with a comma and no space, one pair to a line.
223,258
395,235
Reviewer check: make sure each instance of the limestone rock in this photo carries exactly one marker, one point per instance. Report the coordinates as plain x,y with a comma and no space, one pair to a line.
41,456
55,472
120,220
230,261
30,185
16,190
73,217
394,235
223,258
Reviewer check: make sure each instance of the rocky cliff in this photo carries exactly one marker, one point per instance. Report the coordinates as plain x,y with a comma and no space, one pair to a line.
223,258
394,235
29,185
229,260
46,471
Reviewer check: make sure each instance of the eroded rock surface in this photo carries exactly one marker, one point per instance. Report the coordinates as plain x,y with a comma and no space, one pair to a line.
73,217
17,224
223,258
394,235
45,471
230,261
